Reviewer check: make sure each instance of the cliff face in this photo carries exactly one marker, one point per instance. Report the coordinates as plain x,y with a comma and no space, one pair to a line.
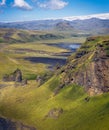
6,124
89,67
95,78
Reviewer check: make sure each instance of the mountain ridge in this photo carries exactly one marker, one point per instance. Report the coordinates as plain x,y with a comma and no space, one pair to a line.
99,24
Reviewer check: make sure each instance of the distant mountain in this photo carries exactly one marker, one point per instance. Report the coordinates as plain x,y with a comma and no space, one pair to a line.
93,24
64,26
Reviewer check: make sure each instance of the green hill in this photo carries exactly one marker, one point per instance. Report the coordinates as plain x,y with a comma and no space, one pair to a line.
15,36
62,103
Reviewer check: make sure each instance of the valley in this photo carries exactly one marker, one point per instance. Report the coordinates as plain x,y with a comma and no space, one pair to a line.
48,95
54,65
12,54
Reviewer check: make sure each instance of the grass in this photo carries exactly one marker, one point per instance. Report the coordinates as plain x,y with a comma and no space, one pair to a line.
12,57
14,36
36,47
30,104
12,54
9,63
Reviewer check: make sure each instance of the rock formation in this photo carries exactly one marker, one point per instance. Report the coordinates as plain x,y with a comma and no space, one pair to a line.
15,76
89,67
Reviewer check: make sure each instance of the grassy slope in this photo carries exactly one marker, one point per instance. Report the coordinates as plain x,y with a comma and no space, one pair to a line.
30,105
9,63
11,58
90,47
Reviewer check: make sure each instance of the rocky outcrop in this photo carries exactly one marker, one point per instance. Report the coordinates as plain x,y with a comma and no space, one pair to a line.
89,67
15,76
95,78
6,124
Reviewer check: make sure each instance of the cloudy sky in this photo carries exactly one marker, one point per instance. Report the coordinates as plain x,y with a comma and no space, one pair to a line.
24,10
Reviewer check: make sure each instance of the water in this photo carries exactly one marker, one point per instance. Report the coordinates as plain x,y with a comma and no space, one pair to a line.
57,60
69,46
47,60
74,46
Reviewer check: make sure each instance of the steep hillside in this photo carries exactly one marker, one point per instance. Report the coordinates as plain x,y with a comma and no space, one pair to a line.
61,103
89,66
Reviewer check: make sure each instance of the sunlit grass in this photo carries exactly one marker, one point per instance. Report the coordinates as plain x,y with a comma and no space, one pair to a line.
30,104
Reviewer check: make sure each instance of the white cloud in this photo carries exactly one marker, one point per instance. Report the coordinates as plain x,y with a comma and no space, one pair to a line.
83,17
53,4
3,2
22,4
48,4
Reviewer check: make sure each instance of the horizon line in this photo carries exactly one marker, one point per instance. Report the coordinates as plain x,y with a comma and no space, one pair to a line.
69,18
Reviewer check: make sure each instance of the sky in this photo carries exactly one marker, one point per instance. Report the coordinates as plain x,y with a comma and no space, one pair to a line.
27,10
